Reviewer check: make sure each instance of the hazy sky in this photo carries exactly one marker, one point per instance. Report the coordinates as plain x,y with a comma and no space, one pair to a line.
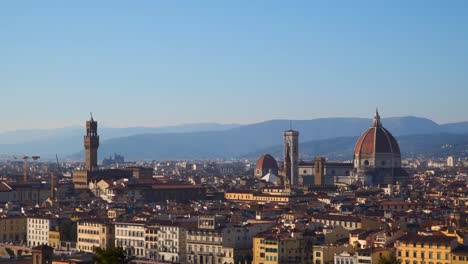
152,63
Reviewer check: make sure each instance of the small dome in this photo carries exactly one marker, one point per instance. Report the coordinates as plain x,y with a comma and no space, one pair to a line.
266,163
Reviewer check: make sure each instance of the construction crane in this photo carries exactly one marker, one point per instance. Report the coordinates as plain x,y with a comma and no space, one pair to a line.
25,159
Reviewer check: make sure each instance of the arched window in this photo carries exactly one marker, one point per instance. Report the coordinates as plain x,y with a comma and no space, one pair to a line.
366,162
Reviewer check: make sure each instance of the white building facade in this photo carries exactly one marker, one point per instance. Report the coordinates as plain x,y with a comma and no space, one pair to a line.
38,231
131,237
171,243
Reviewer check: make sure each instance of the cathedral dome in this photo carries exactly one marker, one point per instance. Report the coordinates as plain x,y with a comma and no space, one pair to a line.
376,140
265,164
377,157
377,148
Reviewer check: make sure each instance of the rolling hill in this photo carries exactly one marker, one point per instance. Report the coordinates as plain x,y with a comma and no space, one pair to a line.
428,145
330,133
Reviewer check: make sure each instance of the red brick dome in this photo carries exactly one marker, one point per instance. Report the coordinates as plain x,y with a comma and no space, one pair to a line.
267,162
376,139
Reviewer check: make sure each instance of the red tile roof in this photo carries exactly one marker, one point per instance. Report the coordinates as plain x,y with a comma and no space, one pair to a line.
376,140
267,162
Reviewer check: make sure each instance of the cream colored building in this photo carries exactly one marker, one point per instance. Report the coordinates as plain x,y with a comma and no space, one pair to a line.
206,246
171,242
93,233
280,247
346,221
151,241
114,213
325,254
215,242
131,237
38,229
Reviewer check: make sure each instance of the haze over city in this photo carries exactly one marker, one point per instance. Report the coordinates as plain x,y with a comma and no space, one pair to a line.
233,132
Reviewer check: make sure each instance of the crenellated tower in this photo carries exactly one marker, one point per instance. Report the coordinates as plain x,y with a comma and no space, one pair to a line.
91,144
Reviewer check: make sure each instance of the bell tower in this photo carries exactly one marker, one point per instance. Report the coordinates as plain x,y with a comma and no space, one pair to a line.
291,156
91,144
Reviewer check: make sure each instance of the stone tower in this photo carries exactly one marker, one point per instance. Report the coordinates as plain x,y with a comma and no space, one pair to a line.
291,156
319,170
91,144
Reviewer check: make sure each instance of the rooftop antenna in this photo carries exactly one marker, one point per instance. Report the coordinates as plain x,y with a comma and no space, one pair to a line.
290,124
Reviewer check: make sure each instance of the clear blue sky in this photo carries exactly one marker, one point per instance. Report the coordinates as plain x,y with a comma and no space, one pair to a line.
152,63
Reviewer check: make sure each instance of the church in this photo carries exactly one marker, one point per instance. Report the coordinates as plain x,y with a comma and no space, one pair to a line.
377,157
376,160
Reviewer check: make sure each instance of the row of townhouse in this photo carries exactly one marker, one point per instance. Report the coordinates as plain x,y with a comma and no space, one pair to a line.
48,230
208,240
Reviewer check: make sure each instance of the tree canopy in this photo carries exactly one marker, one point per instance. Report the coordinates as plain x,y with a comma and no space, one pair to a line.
111,256
390,260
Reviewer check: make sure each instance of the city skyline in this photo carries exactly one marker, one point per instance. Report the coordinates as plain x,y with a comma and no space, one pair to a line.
156,64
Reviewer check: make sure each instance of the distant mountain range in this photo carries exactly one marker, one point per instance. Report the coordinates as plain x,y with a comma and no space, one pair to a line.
331,137
69,140
328,133
428,145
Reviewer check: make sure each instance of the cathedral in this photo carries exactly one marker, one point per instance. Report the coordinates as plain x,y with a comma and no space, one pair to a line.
377,157
376,160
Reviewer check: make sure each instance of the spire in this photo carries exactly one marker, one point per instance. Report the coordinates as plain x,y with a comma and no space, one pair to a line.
91,114
376,121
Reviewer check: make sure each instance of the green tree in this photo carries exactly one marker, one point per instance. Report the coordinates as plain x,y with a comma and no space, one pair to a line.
390,260
67,230
111,256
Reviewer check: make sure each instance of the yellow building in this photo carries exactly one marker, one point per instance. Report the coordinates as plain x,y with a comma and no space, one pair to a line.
459,255
54,238
93,233
278,246
417,249
267,195
251,197
13,228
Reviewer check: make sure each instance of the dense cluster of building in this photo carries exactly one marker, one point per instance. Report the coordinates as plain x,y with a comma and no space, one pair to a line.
375,207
